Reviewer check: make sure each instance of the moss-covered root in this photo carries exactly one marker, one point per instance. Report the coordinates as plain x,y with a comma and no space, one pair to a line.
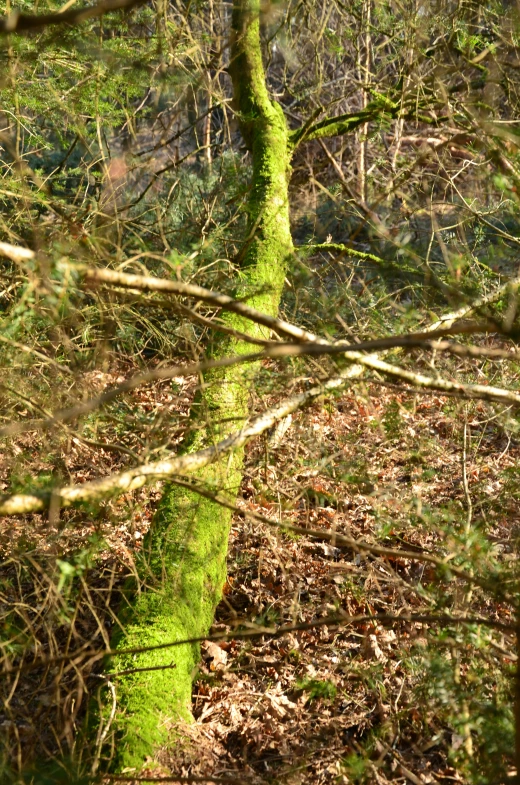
183,566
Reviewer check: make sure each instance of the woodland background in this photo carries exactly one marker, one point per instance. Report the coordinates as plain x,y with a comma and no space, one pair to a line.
367,627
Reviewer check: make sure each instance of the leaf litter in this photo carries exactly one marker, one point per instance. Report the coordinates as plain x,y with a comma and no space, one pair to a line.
313,704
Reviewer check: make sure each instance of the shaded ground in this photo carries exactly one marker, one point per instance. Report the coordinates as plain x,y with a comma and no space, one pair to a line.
342,704
336,704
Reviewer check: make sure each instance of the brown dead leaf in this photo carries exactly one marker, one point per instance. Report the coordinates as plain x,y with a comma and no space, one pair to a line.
215,654
372,650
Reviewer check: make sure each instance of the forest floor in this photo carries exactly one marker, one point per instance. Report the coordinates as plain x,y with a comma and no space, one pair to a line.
345,703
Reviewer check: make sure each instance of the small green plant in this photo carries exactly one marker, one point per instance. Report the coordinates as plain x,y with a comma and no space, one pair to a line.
357,768
471,694
317,689
392,421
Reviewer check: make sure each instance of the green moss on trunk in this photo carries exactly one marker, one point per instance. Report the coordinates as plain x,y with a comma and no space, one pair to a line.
184,562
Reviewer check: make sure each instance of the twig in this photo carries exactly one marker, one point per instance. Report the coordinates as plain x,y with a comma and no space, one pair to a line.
339,540
172,778
17,22
138,477
30,350
104,728
337,620
465,485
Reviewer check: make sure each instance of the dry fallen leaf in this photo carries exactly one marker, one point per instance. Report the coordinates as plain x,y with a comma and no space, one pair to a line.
215,654
372,650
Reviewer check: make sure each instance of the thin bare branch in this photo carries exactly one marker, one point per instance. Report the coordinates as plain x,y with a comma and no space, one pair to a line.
272,351
16,253
150,284
340,540
336,620
18,22
123,482
130,480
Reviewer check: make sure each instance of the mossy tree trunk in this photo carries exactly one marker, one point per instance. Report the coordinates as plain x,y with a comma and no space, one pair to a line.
184,562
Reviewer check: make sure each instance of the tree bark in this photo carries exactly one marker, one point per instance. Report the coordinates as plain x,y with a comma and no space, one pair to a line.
183,566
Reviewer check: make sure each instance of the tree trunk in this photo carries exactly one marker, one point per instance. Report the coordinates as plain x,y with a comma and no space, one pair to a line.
183,566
